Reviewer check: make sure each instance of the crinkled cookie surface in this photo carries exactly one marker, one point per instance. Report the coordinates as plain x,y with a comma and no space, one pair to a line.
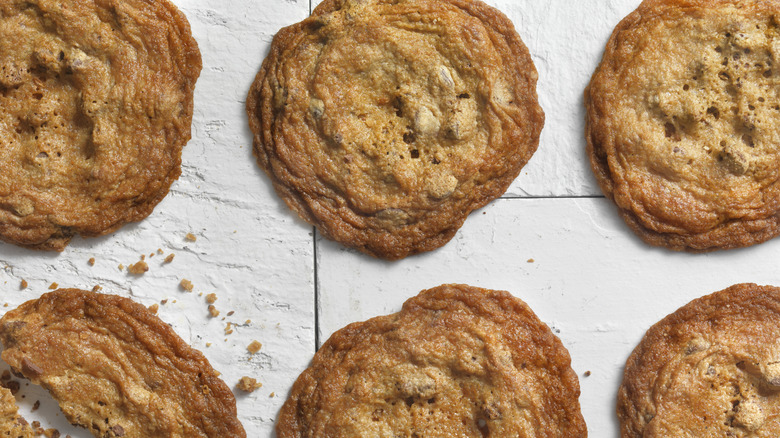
710,369
683,122
456,361
385,123
117,369
95,107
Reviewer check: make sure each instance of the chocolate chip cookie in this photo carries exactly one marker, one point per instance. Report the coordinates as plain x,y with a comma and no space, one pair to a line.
710,369
117,369
386,123
95,106
683,124
11,424
455,361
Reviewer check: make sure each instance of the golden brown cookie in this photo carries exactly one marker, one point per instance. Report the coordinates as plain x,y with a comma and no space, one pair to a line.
386,123
683,124
95,107
457,361
117,369
11,424
710,369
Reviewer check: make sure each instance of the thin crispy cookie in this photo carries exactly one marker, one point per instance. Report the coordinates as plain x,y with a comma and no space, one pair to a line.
95,107
456,361
11,424
683,124
386,123
710,369
117,369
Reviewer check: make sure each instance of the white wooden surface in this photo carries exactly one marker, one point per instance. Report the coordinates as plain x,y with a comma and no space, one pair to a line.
596,285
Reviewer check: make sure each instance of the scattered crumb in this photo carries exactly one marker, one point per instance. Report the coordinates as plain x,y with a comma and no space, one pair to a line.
231,313
213,311
165,301
138,268
254,347
54,286
587,374
272,395
154,308
248,321
211,298
51,433
151,254
186,285
121,267
23,284
91,261
96,288
228,329
5,305
531,260
191,237
169,258
208,344
12,386
36,405
248,384
200,294
159,251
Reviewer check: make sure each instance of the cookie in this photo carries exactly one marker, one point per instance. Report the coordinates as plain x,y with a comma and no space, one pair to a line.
455,361
710,369
11,424
95,106
117,369
683,122
384,124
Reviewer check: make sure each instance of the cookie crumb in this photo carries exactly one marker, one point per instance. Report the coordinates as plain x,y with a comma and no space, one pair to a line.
36,405
138,268
254,347
121,267
231,313
186,285
91,261
165,301
191,237
51,433
12,385
159,251
208,344
23,284
151,254
143,257
169,258
272,395
228,329
248,384
96,288
213,311
587,374
248,321
211,298
531,260
154,308
54,286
